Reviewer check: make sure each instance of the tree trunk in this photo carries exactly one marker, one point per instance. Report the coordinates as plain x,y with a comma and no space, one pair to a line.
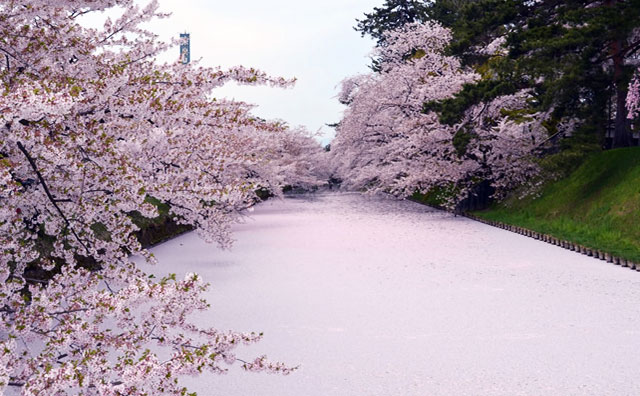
621,132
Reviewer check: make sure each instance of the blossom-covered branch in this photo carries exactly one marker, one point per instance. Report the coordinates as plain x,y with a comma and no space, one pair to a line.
94,130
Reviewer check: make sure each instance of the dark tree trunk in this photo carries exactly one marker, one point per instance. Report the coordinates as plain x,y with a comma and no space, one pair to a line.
621,132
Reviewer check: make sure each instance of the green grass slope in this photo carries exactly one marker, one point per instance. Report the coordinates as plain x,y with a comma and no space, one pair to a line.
597,206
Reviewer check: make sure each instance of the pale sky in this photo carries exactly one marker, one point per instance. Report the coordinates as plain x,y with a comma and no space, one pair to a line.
311,40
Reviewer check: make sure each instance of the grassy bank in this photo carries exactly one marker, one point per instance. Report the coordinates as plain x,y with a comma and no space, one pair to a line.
597,206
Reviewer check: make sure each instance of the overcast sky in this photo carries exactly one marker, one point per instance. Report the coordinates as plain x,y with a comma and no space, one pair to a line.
311,40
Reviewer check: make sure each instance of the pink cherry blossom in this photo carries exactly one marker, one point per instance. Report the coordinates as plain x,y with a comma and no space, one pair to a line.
386,142
93,127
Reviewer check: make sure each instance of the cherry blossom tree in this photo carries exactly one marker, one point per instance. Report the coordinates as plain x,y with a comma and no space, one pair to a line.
388,142
285,158
384,134
500,139
92,127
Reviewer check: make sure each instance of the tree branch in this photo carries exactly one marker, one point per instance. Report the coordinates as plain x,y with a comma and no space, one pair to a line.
52,199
